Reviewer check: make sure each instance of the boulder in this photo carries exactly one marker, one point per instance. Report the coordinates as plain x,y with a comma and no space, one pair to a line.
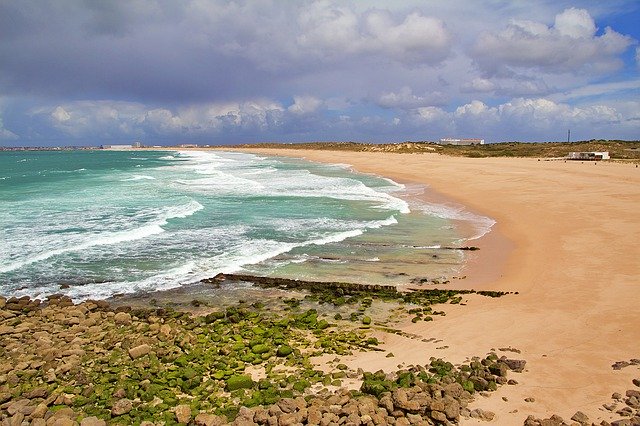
121,406
516,365
239,381
204,419
92,421
183,414
581,418
139,351
122,318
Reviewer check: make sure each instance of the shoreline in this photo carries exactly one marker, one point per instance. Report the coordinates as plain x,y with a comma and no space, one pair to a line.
576,312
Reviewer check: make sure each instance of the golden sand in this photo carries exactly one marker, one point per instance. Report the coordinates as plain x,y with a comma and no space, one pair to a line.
566,239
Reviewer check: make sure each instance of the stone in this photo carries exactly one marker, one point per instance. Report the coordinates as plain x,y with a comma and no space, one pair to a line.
139,351
40,392
92,421
516,365
122,318
121,406
452,409
16,420
438,416
632,393
288,405
183,414
581,418
40,410
204,419
239,381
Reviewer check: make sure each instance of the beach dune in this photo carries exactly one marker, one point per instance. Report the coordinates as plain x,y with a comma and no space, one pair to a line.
566,240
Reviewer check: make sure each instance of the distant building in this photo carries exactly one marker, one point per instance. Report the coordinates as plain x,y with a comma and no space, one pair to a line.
137,144
116,146
589,156
188,145
453,141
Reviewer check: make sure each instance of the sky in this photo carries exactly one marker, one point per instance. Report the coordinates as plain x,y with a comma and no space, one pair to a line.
84,72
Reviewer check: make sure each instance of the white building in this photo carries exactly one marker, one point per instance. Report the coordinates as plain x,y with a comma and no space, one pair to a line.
116,146
589,155
454,141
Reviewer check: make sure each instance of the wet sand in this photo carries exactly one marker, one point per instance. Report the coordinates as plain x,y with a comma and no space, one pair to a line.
566,241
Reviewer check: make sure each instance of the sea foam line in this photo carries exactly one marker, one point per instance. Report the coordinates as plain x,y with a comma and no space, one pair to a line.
139,233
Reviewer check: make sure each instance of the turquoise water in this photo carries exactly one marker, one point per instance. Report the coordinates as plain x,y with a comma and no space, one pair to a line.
99,223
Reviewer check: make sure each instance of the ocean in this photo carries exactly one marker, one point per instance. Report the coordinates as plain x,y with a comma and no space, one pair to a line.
92,224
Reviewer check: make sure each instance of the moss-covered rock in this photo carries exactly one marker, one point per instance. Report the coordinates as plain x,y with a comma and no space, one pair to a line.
284,350
239,381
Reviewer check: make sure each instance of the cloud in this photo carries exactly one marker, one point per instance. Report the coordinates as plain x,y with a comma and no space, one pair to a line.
304,105
406,99
250,70
528,119
569,46
6,134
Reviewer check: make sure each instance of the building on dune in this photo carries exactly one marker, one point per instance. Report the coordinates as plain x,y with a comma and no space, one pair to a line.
455,141
116,146
589,155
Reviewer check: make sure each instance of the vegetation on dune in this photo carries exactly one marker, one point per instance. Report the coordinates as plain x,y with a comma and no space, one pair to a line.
624,150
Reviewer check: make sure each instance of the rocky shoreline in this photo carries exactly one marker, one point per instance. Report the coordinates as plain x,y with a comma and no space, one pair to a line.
95,364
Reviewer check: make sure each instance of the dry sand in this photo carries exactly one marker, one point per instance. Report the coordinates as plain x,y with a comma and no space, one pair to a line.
566,239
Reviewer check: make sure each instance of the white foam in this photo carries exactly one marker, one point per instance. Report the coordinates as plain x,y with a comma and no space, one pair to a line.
481,224
111,238
138,177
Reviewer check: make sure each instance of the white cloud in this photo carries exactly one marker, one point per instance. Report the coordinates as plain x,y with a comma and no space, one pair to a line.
304,105
570,46
333,30
406,99
575,23
527,118
60,114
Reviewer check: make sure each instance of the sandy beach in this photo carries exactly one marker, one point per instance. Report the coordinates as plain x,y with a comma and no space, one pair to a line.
566,241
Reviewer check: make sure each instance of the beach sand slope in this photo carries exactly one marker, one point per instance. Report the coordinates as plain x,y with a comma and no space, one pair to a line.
566,239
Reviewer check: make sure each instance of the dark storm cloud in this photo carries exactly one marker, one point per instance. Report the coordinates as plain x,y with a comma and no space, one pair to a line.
248,70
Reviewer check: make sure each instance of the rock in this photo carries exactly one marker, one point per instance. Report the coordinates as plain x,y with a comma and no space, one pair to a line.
16,420
516,365
40,392
139,351
239,381
636,382
40,410
632,393
183,414
121,406
92,421
284,350
204,419
438,416
452,409
581,418
122,318
529,399
487,416
499,369
165,330
288,405
63,413
16,406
